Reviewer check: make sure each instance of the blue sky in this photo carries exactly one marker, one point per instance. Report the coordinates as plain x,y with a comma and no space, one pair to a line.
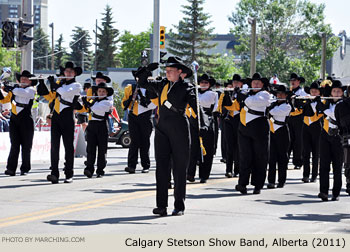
137,15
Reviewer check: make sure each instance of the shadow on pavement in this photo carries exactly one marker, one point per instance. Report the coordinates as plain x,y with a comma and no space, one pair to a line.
317,217
120,220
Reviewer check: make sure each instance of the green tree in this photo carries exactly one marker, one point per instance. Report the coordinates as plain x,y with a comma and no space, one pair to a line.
191,42
131,47
224,68
41,49
288,37
8,58
80,45
61,57
107,41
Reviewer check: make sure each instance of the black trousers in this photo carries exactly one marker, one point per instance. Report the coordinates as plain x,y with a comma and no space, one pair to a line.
311,144
172,140
330,152
97,138
140,129
279,145
21,136
295,125
231,140
253,141
62,125
208,142
216,131
346,151
223,140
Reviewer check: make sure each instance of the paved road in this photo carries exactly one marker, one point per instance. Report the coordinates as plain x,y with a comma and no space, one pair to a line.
122,203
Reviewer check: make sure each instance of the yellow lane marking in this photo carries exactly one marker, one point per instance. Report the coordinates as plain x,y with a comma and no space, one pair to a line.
28,217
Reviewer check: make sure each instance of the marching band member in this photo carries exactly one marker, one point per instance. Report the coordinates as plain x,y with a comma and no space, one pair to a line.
280,140
342,116
21,97
65,96
311,135
230,124
172,137
97,129
253,136
208,100
137,102
330,144
295,122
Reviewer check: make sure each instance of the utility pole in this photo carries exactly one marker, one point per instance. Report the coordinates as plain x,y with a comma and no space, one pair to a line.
27,50
96,47
324,50
155,48
53,48
252,22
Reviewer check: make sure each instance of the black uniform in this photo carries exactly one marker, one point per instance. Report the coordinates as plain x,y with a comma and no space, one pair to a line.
295,124
253,141
230,131
330,152
65,97
21,127
97,136
279,143
140,125
342,115
172,137
208,101
311,141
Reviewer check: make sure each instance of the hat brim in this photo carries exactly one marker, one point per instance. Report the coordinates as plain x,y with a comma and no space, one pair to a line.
78,70
33,82
106,78
110,90
184,68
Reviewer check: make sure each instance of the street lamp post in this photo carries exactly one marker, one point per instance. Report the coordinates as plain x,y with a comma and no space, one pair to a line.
252,22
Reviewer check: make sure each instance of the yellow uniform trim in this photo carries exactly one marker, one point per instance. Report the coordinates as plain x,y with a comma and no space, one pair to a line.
271,126
296,112
164,95
326,125
313,118
242,117
127,94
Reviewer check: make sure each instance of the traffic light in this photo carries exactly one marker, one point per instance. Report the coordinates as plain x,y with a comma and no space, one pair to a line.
144,58
8,34
161,37
23,28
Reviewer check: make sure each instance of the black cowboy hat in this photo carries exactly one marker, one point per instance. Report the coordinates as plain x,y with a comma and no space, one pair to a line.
27,74
110,90
134,72
237,77
61,72
257,76
294,76
338,84
280,88
212,81
314,85
228,82
78,70
203,77
101,76
178,63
